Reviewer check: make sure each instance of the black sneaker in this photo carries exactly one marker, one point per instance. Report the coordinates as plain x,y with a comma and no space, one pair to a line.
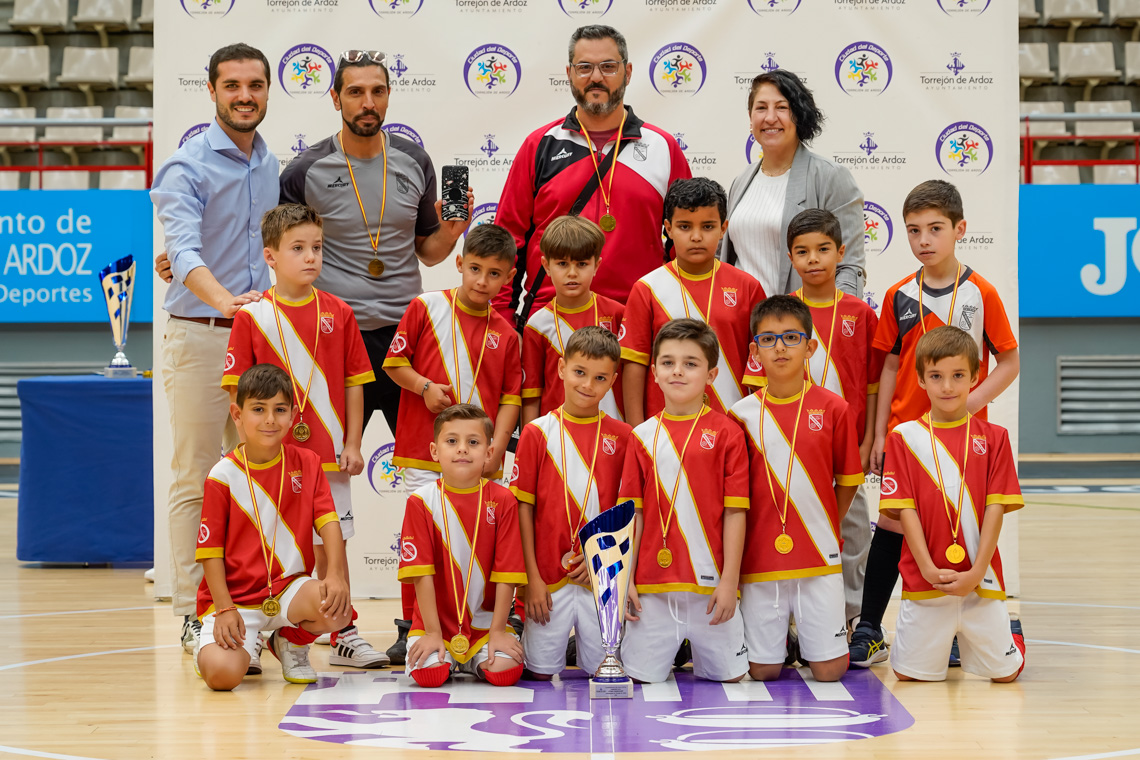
516,622
398,652
955,657
867,646
793,648
684,654
572,651
191,632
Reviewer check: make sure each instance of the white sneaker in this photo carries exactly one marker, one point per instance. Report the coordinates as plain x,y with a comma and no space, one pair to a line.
295,667
351,650
255,661
148,576
324,638
191,631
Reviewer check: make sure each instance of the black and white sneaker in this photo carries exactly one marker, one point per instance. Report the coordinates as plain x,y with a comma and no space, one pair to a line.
191,632
254,668
868,646
352,650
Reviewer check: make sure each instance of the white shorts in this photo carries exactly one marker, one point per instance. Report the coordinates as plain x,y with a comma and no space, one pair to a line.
545,645
471,666
667,619
415,478
816,602
255,620
926,629
339,485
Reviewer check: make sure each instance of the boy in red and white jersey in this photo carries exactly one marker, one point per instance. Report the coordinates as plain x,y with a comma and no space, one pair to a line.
257,577
686,469
313,336
460,550
571,252
951,569
805,471
567,469
943,292
695,286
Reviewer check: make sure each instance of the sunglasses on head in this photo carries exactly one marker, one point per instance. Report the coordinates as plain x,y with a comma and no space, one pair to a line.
356,56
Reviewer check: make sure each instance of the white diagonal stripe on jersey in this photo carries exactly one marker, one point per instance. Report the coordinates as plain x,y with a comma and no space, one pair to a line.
672,297
320,397
577,474
917,439
461,378
777,449
543,322
686,517
820,363
288,554
460,550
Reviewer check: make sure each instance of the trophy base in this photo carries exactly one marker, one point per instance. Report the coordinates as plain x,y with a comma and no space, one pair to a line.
120,372
611,689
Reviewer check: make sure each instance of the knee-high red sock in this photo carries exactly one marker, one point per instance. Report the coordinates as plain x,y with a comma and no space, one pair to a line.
298,636
407,600
507,677
433,677
351,623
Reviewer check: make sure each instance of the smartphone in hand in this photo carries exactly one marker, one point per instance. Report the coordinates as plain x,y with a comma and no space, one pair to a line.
454,193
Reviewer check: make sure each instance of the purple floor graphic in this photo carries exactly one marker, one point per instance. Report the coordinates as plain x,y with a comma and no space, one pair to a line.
387,709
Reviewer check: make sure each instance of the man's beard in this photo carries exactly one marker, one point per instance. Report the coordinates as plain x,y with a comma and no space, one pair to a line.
604,108
224,115
360,131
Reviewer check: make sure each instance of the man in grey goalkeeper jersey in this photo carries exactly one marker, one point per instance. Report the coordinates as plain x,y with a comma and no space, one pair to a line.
373,264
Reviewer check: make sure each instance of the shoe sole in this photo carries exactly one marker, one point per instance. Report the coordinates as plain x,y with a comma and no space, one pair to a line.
879,655
299,680
396,659
351,663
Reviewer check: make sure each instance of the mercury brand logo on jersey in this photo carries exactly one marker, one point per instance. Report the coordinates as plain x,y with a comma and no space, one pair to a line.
560,155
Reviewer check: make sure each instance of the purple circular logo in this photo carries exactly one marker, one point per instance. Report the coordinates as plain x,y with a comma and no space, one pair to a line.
383,476
678,68
197,129
492,70
394,8
306,70
403,130
963,7
207,8
752,150
864,68
585,8
484,214
774,7
964,148
878,229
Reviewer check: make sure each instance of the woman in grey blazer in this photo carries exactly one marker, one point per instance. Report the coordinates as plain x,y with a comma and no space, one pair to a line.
788,179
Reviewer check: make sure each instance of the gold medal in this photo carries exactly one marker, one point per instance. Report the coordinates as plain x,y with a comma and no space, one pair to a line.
376,267
607,222
955,553
784,543
459,644
567,561
271,607
664,558
301,431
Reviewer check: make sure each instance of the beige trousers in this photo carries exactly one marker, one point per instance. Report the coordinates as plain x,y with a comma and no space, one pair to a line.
193,356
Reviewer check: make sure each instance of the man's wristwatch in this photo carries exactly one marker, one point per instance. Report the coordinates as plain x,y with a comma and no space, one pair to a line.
424,389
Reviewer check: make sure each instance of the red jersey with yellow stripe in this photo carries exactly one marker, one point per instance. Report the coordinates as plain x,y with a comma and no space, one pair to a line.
543,344
711,476
826,455
289,509
327,335
846,362
476,352
910,481
723,298
977,309
565,492
480,521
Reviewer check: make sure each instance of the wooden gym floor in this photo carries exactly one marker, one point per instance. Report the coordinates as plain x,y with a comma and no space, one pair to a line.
90,665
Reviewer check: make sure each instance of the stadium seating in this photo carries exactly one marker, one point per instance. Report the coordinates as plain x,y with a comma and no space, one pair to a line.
1056,175
1122,12
1090,63
72,134
132,134
1033,64
1027,14
140,68
39,16
16,134
1114,175
1132,62
103,16
1096,128
61,181
24,68
1070,12
146,16
131,179
89,69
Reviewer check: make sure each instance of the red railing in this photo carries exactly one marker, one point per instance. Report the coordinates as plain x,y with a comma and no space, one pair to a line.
42,145
1029,141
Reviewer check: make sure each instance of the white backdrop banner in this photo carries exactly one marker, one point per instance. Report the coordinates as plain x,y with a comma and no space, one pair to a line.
912,90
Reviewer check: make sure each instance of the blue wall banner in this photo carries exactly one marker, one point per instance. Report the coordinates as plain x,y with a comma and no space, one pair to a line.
1079,251
53,244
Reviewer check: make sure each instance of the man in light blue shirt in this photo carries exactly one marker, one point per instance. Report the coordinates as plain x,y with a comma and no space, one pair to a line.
210,196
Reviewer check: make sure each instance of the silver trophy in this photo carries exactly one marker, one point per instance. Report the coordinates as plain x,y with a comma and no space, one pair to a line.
118,283
607,545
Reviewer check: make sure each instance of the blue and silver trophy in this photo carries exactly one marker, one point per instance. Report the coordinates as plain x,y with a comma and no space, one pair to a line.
118,284
607,549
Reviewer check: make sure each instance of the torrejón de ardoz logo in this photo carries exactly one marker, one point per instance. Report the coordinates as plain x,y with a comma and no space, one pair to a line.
863,68
306,71
864,151
678,69
485,155
492,71
408,74
957,73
